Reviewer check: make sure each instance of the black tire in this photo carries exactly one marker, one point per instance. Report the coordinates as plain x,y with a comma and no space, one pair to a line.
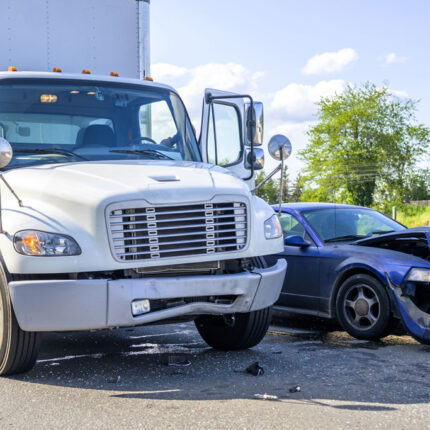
240,331
18,348
363,308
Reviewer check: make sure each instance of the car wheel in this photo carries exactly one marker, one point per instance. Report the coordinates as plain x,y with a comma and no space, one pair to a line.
233,332
18,348
363,307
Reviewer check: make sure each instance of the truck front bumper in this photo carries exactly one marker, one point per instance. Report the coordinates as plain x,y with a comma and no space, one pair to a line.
66,305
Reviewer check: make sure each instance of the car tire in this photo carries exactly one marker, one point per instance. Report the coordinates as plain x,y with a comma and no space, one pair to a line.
18,348
234,332
363,308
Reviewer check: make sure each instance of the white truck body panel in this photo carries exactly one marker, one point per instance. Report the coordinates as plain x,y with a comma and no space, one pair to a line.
99,35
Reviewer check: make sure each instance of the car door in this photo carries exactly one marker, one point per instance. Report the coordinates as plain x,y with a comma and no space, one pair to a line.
301,287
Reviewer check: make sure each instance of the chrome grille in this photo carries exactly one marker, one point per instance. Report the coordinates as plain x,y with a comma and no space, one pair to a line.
145,233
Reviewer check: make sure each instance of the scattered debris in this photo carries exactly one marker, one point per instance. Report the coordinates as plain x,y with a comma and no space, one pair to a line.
114,380
178,360
276,352
266,397
295,389
254,369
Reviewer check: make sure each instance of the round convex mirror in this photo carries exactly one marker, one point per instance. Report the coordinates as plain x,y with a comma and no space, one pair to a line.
280,146
5,152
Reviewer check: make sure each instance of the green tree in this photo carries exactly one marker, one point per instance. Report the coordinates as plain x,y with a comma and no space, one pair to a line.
365,144
269,191
297,189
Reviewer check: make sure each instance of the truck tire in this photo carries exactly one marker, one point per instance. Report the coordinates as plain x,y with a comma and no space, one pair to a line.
18,348
239,331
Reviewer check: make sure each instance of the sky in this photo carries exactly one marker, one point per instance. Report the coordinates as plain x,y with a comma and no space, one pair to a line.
288,54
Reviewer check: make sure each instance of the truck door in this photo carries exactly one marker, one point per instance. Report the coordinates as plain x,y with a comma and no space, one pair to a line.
224,132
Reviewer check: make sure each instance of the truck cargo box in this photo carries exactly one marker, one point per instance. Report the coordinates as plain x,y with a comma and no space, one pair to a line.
102,36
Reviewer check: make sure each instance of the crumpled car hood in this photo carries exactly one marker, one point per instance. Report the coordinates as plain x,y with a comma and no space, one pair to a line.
412,241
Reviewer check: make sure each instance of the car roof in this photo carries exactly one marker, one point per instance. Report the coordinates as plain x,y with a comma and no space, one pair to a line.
301,206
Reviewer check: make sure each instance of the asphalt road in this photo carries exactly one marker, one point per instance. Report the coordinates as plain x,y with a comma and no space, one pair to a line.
121,379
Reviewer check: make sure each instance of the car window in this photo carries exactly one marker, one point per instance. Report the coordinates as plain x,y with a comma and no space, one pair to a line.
291,226
332,223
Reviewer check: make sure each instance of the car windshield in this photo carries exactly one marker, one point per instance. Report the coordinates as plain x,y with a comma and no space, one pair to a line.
79,120
348,224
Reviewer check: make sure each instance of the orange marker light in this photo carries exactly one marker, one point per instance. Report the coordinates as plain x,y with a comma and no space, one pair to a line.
31,243
12,69
86,72
148,78
114,74
56,70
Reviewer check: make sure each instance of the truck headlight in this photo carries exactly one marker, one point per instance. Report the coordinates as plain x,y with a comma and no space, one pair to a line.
40,243
419,275
272,227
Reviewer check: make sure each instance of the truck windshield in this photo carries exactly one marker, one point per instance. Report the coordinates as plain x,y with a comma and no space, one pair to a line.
75,121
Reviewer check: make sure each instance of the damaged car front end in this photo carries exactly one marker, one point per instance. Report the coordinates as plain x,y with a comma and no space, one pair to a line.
409,284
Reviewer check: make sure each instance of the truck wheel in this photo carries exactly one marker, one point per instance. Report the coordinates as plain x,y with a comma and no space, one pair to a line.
363,308
18,348
233,332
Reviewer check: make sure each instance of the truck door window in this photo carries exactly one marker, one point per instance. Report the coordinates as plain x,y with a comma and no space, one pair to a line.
224,136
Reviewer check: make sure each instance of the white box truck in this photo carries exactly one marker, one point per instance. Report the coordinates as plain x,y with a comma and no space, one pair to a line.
112,213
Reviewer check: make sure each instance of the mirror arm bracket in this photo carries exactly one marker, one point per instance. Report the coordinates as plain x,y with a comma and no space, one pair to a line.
268,177
209,100
1,209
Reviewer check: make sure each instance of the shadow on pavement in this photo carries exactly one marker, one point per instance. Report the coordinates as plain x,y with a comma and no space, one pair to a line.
328,365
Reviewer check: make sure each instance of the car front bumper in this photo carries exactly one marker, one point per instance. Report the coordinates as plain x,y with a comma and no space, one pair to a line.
415,320
66,305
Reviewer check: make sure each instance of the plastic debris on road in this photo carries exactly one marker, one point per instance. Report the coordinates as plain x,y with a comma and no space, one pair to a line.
295,389
266,397
253,369
178,361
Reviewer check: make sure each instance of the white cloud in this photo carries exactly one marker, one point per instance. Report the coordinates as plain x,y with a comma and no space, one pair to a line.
330,62
399,93
296,102
393,58
163,71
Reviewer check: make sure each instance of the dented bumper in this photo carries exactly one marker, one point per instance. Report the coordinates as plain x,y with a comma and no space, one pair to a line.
416,321
66,305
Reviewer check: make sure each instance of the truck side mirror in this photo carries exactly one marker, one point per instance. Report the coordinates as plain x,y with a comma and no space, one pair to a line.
255,157
255,116
6,152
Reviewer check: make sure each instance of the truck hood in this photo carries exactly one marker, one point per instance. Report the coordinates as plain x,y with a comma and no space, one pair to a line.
157,182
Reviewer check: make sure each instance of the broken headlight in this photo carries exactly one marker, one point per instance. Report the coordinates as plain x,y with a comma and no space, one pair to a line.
40,243
419,275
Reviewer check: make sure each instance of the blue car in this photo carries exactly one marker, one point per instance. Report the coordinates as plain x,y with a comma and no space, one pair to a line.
355,265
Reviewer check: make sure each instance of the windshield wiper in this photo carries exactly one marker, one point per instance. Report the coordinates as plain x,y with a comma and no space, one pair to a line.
149,152
346,237
50,151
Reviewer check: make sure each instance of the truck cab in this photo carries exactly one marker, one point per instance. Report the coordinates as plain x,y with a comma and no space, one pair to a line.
113,214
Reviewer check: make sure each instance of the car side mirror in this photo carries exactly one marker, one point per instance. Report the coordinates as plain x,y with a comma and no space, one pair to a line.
296,240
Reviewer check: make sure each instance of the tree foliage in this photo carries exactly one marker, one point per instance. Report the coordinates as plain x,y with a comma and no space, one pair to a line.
364,147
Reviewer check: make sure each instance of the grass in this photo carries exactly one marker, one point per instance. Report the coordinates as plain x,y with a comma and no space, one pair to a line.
414,216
